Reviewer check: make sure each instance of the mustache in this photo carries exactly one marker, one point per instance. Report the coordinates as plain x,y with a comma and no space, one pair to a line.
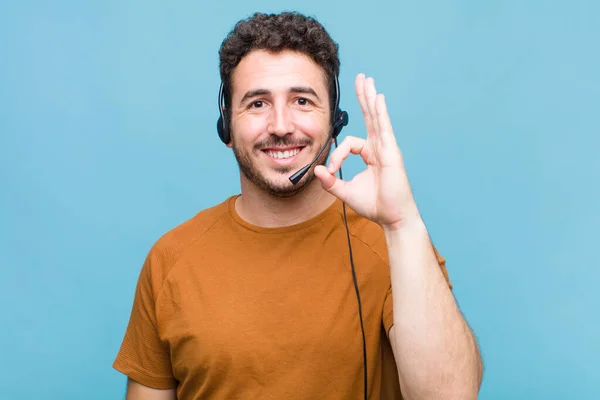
282,141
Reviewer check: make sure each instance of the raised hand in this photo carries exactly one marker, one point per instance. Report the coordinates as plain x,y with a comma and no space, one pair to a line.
381,192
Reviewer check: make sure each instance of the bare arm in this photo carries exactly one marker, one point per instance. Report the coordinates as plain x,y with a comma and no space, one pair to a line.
137,391
435,350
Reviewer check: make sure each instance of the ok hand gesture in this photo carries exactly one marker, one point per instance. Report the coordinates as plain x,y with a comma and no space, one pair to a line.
381,192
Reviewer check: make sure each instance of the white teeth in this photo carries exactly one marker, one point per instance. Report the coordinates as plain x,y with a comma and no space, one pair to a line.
283,154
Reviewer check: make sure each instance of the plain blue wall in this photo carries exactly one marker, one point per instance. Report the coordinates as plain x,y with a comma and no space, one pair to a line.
107,140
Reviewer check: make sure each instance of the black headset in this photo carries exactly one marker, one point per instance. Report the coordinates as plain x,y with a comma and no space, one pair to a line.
340,118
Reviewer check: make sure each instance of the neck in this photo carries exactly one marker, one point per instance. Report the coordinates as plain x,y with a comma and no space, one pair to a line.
257,207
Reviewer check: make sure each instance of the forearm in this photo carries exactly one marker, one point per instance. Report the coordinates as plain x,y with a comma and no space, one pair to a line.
436,353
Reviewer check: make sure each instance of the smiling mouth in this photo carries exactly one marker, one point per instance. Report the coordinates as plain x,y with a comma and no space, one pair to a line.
283,154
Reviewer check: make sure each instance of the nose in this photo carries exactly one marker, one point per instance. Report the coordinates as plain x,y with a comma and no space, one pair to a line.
280,122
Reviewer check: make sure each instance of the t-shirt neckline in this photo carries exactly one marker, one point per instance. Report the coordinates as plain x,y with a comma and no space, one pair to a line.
329,211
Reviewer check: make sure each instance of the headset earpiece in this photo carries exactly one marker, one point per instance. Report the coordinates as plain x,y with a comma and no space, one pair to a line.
222,130
222,123
341,120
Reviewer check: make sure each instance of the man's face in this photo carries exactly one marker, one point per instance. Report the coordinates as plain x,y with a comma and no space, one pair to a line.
280,118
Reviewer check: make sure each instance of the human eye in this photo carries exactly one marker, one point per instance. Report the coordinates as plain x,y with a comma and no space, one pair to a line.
303,101
257,104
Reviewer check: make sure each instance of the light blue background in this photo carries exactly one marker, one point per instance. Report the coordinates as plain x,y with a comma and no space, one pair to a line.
107,140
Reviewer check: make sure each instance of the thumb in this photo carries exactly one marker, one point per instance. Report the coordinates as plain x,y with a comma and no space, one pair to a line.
330,182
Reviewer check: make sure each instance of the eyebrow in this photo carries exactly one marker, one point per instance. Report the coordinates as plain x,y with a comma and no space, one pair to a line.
304,89
262,92
253,93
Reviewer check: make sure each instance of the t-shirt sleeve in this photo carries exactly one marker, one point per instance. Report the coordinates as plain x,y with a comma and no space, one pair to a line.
388,317
143,356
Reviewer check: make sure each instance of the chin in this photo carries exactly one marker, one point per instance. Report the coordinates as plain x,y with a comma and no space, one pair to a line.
278,184
281,186
274,179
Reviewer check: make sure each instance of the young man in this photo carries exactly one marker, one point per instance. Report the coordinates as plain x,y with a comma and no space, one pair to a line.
258,297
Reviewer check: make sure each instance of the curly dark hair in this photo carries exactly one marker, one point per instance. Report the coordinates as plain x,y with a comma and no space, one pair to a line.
276,33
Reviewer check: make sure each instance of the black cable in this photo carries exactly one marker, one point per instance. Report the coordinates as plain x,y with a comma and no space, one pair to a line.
362,327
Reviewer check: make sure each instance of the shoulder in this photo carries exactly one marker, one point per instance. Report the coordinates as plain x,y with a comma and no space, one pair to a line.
165,252
371,234
367,232
192,229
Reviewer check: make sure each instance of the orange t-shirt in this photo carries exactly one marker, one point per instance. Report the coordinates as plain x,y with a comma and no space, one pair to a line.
227,310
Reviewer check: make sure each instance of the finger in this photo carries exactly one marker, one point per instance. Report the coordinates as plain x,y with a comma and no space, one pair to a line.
386,131
350,144
331,183
371,94
362,100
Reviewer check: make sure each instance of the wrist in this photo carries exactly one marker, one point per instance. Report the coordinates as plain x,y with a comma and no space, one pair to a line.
407,227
